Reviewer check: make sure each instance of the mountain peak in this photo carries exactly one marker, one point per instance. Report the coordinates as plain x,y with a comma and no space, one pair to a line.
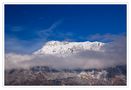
53,43
64,48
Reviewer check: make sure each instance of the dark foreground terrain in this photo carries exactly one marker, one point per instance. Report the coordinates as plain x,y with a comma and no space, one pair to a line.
43,75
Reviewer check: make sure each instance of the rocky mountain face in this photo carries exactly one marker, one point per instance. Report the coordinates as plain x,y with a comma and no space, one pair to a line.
44,75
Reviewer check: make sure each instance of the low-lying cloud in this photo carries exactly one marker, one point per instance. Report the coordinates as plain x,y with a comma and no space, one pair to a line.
114,54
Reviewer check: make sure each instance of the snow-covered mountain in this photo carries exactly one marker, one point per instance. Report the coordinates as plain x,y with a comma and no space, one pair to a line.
68,48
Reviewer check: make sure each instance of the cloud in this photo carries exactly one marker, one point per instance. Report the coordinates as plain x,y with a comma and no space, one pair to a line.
114,54
105,37
17,28
16,45
49,31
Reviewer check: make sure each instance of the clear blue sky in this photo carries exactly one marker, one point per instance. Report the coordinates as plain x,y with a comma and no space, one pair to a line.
26,24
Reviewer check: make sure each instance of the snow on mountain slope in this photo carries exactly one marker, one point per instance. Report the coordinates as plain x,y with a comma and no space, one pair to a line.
68,48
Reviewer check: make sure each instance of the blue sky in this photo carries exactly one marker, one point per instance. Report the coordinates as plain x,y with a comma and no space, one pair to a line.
30,26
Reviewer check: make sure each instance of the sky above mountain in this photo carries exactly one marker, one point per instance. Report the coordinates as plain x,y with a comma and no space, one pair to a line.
28,27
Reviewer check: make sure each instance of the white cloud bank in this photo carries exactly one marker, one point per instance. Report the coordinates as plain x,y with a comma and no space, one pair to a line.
115,54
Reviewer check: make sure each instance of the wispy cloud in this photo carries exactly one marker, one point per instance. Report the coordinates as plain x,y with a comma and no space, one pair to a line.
52,32
16,28
105,37
16,45
49,31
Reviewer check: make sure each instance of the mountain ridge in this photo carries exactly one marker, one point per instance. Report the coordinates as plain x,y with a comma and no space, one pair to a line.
65,48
